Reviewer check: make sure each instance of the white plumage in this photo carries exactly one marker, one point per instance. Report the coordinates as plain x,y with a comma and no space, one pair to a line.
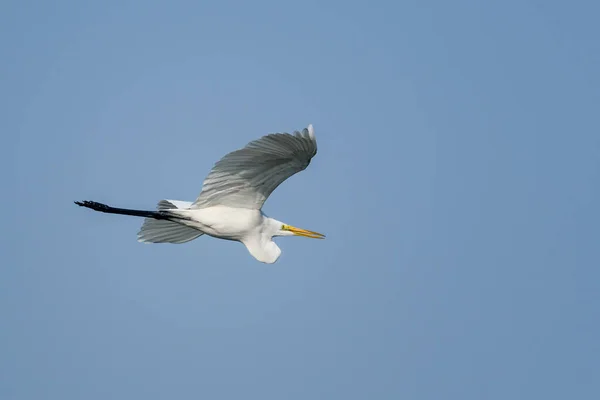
245,178
165,231
230,203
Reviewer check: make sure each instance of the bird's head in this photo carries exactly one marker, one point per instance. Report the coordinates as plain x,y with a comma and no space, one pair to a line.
281,229
264,249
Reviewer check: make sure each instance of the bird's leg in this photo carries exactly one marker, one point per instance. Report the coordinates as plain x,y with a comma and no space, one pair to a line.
124,211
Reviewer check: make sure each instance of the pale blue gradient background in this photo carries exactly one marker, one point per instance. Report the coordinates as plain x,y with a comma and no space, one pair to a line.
457,181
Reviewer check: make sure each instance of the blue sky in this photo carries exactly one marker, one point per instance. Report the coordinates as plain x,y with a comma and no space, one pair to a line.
457,181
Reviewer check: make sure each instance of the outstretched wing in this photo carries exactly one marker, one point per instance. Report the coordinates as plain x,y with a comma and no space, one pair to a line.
245,178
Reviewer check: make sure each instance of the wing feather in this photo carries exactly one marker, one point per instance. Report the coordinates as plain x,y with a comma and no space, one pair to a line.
246,177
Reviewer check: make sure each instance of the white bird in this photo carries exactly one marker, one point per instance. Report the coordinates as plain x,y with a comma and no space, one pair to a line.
230,203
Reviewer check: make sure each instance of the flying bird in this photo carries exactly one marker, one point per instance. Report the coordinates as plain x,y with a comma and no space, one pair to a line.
230,203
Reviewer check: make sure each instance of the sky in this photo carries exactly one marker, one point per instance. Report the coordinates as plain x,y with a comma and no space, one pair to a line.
457,181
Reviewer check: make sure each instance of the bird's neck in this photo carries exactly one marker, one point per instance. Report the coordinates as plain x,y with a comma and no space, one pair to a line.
271,226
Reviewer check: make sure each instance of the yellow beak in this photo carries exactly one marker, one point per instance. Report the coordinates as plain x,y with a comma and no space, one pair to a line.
303,232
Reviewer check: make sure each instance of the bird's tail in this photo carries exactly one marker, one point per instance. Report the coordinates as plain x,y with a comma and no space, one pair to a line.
164,231
159,226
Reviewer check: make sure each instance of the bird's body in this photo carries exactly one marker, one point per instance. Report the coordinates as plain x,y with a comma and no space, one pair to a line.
230,204
250,227
224,222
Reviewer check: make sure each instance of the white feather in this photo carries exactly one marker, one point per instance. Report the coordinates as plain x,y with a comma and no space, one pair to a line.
245,178
163,231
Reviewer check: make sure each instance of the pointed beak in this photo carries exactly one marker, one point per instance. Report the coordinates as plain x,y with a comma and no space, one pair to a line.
303,232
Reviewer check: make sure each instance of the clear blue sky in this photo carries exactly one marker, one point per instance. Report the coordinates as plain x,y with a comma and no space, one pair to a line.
457,180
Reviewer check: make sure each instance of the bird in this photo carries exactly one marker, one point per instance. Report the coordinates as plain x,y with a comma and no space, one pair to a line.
233,193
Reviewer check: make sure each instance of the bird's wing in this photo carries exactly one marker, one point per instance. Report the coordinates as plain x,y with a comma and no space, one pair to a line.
245,178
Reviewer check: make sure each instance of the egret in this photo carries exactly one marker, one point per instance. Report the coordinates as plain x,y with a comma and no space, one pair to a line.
230,203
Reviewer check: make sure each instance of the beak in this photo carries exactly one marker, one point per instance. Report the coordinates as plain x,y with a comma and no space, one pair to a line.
303,232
